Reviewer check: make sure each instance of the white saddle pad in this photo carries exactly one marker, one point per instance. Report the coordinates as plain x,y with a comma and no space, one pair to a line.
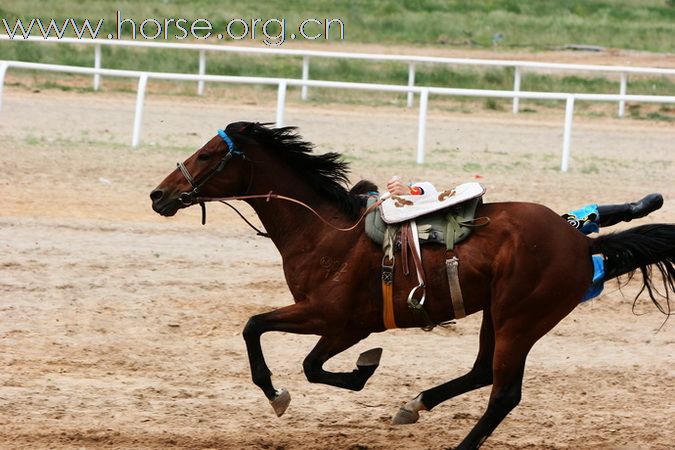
399,208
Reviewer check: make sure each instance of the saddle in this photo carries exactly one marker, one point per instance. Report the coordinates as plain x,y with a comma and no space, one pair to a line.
448,226
403,223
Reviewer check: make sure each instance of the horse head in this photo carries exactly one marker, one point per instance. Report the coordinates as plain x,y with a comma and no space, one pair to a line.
203,174
252,160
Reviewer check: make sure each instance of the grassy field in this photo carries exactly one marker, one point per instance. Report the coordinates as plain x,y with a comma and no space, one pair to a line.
541,24
493,24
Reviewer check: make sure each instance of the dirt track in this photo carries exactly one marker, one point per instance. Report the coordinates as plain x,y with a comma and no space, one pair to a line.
121,329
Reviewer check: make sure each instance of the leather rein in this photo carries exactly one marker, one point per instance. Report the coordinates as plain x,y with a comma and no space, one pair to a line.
189,198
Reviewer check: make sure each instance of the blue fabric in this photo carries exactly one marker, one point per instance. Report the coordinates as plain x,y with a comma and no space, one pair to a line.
598,276
223,135
585,219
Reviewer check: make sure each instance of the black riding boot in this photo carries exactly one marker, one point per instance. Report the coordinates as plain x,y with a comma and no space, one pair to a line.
613,214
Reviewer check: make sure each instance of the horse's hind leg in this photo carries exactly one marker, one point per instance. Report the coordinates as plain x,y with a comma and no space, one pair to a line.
508,368
515,334
329,346
479,376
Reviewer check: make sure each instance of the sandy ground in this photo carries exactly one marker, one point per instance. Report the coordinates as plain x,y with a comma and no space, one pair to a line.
122,329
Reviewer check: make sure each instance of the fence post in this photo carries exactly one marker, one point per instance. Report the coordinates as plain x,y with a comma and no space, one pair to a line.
3,70
202,71
622,91
305,77
411,82
567,133
516,88
138,118
281,100
422,125
97,65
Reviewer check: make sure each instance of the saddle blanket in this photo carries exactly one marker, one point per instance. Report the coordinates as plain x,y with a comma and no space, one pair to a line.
399,208
598,276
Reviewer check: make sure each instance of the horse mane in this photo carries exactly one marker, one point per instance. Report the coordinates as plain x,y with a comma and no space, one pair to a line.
327,173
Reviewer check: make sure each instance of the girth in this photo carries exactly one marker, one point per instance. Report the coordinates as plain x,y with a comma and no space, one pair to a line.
410,248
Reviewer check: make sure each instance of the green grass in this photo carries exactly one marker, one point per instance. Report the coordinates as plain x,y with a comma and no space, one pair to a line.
471,167
589,169
328,69
542,24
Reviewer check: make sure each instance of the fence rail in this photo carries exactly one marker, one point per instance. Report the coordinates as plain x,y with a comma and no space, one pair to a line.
411,60
283,83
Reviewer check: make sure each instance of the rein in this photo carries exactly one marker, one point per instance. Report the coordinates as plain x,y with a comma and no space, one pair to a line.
271,195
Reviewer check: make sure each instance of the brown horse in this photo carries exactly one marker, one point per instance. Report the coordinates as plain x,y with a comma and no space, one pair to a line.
526,271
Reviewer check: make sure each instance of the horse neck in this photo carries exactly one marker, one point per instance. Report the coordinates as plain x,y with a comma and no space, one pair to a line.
292,227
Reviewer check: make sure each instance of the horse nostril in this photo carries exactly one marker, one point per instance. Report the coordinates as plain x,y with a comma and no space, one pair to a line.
156,195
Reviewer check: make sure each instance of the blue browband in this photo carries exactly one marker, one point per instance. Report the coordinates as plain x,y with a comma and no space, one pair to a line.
229,142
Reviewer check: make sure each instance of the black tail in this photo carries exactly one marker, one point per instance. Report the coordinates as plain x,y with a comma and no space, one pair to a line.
641,248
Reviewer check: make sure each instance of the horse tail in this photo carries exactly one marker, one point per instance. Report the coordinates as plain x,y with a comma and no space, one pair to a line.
642,248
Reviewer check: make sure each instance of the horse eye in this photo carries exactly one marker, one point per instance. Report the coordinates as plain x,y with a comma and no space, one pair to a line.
204,157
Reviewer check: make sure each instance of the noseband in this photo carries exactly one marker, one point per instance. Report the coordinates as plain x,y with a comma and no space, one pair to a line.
188,198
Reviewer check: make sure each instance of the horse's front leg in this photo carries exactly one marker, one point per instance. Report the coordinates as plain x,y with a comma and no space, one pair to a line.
300,318
329,346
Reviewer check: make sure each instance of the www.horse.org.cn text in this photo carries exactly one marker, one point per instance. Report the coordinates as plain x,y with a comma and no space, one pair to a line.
270,31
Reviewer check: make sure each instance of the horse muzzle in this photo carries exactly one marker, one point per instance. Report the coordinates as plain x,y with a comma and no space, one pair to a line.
164,205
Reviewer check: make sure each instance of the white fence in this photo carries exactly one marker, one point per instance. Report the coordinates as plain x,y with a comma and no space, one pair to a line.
410,60
283,83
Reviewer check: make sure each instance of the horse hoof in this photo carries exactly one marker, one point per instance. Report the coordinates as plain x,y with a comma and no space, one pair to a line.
405,417
280,402
370,358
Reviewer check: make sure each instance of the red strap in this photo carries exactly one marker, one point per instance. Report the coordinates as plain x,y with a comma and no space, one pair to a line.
416,190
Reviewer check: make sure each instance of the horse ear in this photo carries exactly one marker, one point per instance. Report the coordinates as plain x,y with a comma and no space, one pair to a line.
240,127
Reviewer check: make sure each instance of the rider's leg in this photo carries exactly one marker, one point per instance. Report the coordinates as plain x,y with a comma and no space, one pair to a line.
590,218
613,214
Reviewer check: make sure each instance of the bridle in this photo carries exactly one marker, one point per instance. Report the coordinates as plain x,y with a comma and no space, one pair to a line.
190,197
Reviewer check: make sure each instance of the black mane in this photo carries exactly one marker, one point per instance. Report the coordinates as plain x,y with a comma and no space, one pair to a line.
327,173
